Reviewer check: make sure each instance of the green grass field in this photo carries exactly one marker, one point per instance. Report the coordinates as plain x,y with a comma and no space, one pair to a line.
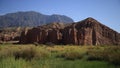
59,56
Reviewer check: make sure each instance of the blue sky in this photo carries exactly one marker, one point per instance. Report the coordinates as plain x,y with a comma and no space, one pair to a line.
105,11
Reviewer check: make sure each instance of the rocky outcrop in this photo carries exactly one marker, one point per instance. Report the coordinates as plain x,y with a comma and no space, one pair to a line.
43,34
85,32
11,34
70,34
54,36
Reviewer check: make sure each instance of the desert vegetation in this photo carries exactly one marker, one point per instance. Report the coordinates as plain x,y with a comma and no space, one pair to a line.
58,56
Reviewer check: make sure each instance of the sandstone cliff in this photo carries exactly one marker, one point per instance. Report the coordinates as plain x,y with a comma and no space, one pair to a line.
85,32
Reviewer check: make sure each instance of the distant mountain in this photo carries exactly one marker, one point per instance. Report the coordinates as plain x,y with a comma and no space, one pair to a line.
30,18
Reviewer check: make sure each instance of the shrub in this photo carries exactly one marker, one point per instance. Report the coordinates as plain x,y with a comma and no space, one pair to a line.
110,54
113,54
33,52
24,52
49,44
36,44
7,51
72,53
41,53
95,55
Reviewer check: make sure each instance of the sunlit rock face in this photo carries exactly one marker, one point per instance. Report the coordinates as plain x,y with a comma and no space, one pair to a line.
85,32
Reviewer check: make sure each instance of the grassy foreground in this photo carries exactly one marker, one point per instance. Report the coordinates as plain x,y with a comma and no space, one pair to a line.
59,56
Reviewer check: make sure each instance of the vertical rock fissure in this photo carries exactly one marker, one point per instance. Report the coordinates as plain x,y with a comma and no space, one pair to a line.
94,37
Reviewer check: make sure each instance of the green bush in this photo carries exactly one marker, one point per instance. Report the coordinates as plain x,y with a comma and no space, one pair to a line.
95,55
110,54
72,54
113,54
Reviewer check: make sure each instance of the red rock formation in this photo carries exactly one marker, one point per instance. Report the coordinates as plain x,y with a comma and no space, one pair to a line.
10,34
43,34
23,38
94,33
54,36
85,32
70,35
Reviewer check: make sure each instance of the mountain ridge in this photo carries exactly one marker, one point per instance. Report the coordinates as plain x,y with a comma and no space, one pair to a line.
30,18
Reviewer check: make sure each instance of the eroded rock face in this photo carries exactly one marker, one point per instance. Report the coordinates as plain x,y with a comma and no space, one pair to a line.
85,32
10,34
54,36
43,34
70,34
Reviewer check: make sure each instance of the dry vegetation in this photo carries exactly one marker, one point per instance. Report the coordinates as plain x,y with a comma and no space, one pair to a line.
30,56
24,52
110,54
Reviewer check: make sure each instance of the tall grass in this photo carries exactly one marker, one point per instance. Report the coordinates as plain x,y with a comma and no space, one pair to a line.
12,63
72,52
24,52
30,56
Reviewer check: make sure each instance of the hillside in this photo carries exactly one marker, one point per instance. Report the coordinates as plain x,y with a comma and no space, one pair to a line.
30,18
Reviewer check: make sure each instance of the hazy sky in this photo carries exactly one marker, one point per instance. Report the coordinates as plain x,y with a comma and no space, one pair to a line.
105,11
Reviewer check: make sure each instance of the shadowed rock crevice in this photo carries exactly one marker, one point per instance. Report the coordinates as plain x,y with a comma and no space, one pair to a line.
85,32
